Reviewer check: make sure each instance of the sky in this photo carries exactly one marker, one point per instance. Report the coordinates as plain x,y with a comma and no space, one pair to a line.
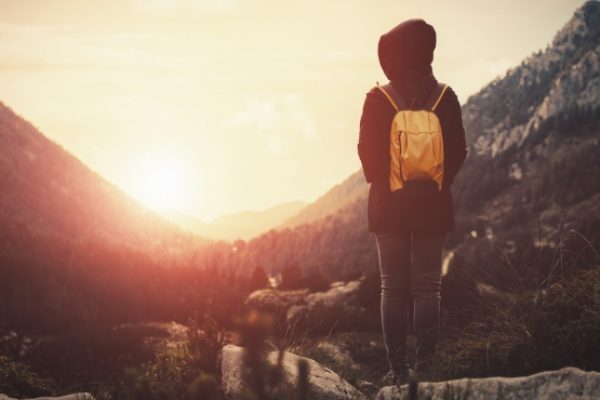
211,107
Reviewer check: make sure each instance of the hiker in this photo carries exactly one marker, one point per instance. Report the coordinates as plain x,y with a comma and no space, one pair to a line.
410,158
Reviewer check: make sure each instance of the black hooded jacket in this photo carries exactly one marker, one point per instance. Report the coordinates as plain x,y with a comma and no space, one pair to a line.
410,209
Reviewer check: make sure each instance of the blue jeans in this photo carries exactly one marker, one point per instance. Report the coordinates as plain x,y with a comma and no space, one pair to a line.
411,267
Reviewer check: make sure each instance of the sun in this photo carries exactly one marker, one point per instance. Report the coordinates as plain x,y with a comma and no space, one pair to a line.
160,182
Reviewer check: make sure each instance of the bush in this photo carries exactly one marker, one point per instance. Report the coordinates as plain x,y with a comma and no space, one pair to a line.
545,329
189,373
566,321
17,380
91,353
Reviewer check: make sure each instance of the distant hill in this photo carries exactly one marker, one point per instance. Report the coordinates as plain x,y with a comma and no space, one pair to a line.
242,225
534,151
75,250
48,190
336,246
338,197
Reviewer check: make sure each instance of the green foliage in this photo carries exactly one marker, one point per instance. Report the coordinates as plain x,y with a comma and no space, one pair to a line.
170,377
189,373
17,380
566,321
545,329
91,353
205,341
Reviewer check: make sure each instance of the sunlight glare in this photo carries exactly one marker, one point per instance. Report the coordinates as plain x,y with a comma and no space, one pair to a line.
160,183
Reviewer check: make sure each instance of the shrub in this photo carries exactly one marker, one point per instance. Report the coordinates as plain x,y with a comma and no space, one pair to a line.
17,380
545,329
189,373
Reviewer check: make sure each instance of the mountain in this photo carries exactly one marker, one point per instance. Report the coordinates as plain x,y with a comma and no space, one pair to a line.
242,225
337,198
49,191
337,246
534,151
562,77
534,139
76,250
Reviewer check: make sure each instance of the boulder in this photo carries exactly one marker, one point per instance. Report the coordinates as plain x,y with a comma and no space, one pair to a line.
324,384
275,301
73,396
339,355
335,309
339,295
566,383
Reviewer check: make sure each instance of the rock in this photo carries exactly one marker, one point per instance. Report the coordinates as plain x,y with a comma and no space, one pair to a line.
231,371
338,354
73,396
338,294
566,383
338,308
276,301
324,384
369,388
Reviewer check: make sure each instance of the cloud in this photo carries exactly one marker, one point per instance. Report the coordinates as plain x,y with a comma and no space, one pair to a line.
262,115
281,123
27,46
298,113
49,46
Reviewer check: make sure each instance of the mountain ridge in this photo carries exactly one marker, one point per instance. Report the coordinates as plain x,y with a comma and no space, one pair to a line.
335,199
538,78
50,190
239,225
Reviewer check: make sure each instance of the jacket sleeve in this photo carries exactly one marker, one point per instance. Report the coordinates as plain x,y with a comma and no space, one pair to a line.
371,127
456,146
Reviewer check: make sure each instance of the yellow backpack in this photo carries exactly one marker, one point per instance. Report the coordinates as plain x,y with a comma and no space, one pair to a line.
416,145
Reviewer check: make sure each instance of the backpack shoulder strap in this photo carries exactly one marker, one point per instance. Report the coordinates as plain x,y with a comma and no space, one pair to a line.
393,96
436,95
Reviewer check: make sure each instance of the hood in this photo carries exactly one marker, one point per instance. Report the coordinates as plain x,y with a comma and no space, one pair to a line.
408,47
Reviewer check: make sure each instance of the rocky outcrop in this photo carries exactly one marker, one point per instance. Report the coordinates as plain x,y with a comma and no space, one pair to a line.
339,294
275,301
339,305
324,384
566,383
339,355
549,83
73,396
337,308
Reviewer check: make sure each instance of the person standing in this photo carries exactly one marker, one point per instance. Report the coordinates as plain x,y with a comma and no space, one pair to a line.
410,211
